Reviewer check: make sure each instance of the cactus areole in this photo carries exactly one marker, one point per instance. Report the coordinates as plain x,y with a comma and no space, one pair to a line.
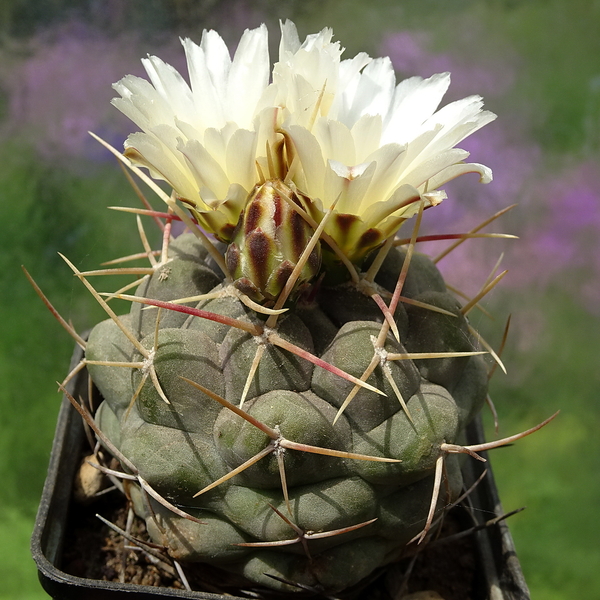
288,394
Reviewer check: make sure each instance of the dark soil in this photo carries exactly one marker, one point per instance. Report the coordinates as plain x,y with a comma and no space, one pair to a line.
93,550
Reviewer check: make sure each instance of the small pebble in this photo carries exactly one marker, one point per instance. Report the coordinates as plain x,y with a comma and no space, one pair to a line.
88,481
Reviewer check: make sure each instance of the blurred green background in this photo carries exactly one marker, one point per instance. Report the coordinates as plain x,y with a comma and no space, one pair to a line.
536,62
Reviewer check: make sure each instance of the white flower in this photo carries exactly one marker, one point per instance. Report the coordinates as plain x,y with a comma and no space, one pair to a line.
203,138
376,146
335,129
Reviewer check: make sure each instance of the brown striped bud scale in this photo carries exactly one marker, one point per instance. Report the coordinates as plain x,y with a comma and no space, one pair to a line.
268,241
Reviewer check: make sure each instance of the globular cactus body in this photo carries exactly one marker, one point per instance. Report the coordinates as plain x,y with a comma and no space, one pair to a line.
183,446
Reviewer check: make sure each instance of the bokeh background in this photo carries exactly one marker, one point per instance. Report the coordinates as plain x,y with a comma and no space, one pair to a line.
536,62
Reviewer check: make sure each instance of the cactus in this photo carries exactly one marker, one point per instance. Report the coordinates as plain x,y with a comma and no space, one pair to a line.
289,392
307,469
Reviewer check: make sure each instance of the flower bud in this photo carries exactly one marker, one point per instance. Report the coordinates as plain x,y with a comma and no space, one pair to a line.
268,242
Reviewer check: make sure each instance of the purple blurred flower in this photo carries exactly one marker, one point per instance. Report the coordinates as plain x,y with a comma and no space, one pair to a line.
60,80
563,241
410,55
62,89
558,217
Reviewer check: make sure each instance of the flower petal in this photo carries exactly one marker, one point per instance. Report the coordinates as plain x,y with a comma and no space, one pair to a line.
367,136
146,150
415,100
248,76
311,158
336,140
240,158
426,170
453,171
206,170
374,91
402,198
290,42
348,185
205,86
389,160
170,86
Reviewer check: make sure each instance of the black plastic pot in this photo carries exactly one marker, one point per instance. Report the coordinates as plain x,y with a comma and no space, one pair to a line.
500,576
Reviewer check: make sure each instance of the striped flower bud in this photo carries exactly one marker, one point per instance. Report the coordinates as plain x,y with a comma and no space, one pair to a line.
268,242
